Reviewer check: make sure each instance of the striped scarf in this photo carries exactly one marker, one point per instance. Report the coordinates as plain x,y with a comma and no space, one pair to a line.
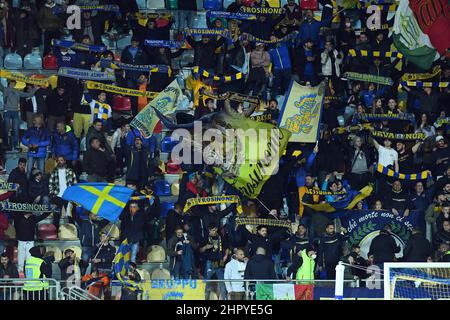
197,71
424,175
263,222
373,54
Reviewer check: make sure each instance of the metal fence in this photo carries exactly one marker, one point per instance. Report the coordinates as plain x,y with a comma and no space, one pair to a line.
16,289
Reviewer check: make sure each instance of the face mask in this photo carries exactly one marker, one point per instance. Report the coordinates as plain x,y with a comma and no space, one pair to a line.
348,24
314,256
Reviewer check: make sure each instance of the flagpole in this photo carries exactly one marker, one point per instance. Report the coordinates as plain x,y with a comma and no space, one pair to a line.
101,244
263,205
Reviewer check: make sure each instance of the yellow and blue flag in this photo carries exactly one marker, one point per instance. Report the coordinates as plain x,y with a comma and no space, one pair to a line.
351,200
106,200
121,264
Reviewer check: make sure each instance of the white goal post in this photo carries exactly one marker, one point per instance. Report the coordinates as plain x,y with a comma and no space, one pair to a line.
417,280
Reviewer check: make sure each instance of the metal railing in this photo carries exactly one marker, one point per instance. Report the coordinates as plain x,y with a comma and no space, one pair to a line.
76,293
16,289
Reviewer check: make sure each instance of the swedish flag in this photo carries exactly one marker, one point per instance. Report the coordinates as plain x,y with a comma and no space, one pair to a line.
121,264
106,200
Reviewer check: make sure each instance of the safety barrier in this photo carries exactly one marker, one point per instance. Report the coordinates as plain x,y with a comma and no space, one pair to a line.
15,289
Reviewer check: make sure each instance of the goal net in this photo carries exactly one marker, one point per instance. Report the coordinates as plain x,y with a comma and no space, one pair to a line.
405,280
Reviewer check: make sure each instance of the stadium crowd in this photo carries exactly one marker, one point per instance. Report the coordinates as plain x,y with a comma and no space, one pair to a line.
74,134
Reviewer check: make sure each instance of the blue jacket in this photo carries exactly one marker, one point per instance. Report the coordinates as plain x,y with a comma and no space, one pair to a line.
65,145
69,60
301,172
310,30
149,144
279,55
40,137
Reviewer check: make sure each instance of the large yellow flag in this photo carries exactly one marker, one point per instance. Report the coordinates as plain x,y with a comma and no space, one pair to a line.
301,112
261,146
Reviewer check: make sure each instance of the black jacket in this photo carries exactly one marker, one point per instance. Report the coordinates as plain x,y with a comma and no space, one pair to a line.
96,162
259,267
106,255
384,248
399,201
26,228
139,59
88,231
10,270
21,195
132,227
330,249
140,165
297,262
67,269
417,249
208,218
205,53
173,220
57,105
268,243
295,243
36,189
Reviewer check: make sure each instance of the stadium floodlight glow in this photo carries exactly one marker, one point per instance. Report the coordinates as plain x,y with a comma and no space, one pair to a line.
417,280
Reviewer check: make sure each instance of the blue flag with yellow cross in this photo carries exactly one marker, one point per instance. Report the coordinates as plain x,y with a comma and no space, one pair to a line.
105,200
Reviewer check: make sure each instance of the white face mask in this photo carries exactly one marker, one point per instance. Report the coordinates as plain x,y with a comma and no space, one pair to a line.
314,256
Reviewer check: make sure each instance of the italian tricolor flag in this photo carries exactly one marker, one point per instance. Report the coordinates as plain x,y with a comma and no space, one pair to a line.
420,30
284,291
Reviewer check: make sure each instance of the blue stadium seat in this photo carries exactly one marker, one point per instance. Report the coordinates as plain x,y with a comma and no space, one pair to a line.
212,4
165,208
162,188
33,61
142,4
167,144
13,61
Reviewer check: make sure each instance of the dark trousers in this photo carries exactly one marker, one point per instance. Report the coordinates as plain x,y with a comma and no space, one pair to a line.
35,295
359,180
60,203
281,80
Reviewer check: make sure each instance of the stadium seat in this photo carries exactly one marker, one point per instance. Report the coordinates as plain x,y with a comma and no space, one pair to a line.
171,178
142,4
56,252
212,4
13,61
115,232
156,254
75,249
145,275
160,274
167,144
175,188
171,4
123,42
162,188
47,231
33,61
156,4
68,231
165,208
121,103
50,62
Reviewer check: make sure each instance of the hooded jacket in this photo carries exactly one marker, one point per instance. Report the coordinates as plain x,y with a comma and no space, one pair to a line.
384,248
417,249
259,267
26,227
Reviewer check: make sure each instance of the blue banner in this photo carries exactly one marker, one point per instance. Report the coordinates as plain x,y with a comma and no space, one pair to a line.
364,225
